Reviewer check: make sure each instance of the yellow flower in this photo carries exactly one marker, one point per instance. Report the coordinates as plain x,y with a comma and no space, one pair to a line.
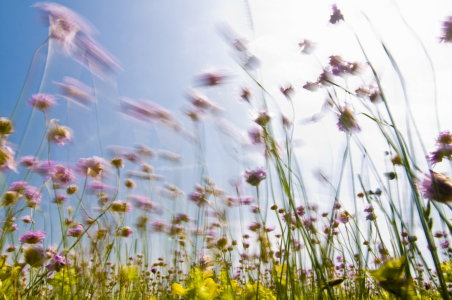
177,289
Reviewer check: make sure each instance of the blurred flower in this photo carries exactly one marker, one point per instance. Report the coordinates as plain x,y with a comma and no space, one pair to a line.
369,208
76,91
42,102
34,255
211,77
336,16
11,248
347,122
27,219
91,166
32,237
143,203
6,126
311,86
256,135
200,101
33,195
447,30
287,91
63,175
125,232
262,118
58,134
171,156
76,231
306,47
59,199
254,177
443,186
58,262
245,94
28,161
121,206
7,162
444,244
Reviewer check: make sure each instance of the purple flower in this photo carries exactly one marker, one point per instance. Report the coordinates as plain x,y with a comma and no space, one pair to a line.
371,217
27,219
75,91
143,203
199,198
211,77
18,186
287,91
200,101
42,102
447,31
63,175
343,217
11,248
369,209
256,136
76,231
28,161
32,195
255,226
245,94
443,185
347,122
336,16
45,168
147,111
32,237
57,264
444,244
91,166
99,186
160,226
254,177
262,118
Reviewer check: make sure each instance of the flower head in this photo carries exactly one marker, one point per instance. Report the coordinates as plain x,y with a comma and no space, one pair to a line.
211,77
63,175
76,231
262,118
32,237
42,102
447,30
306,47
125,232
75,91
121,206
34,255
443,186
59,134
347,122
254,177
58,262
336,16
91,166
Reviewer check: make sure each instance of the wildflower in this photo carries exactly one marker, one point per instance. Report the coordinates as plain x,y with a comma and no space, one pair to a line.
256,136
58,134
32,237
10,198
447,31
121,206
130,184
76,231
371,217
343,217
7,162
11,248
71,189
444,244
6,126
311,86
198,197
18,186
27,219
262,118
45,168
254,177
34,255
443,186
369,209
211,77
59,199
63,175
42,102
57,264
287,91
28,161
306,47
245,94
76,91
32,195
347,122
91,166
286,122
171,156
143,203
125,232
336,16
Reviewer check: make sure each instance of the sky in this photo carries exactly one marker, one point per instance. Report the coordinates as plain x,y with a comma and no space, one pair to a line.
162,45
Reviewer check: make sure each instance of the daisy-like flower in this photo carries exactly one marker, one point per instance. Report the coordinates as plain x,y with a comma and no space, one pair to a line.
91,166
254,177
336,16
75,91
32,237
443,186
63,175
59,134
347,122
42,102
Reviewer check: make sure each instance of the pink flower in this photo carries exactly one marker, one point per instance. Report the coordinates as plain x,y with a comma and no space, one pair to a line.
347,122
76,91
42,102
59,134
447,31
32,237
254,177
336,16
91,166
76,231
211,77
